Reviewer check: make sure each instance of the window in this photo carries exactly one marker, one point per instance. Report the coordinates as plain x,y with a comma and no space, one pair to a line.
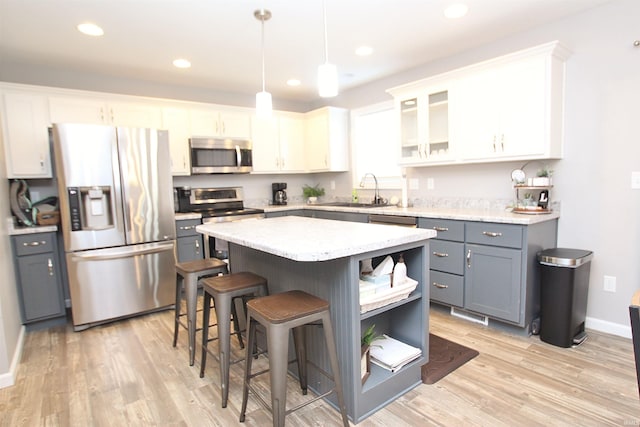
375,146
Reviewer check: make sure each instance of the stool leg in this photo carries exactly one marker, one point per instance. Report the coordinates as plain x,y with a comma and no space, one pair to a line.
191,291
333,358
301,355
223,313
179,282
206,311
251,339
236,324
278,345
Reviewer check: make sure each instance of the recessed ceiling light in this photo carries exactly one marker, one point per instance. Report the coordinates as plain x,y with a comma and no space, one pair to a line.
90,29
181,63
364,51
293,82
457,10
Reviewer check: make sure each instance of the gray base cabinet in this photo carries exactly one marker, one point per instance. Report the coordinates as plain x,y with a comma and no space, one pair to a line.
38,277
489,269
190,244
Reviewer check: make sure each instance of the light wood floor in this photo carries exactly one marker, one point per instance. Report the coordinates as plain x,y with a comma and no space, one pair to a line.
127,373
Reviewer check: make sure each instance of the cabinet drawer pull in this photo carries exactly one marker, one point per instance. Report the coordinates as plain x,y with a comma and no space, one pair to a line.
492,234
440,254
50,266
469,258
41,242
187,227
440,285
197,242
441,228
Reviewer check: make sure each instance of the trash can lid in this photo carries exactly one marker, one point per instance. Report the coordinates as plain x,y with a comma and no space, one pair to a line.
564,257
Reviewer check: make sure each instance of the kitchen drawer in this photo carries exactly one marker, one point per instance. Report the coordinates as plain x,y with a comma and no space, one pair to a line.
187,227
446,288
447,229
486,233
29,244
446,256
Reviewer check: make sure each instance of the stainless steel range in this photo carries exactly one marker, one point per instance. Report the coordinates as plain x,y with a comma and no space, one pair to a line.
215,205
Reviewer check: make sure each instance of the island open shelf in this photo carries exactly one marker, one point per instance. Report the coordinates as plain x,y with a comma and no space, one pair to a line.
336,279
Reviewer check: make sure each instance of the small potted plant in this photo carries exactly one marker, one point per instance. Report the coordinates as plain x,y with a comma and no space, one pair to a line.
543,177
365,346
312,193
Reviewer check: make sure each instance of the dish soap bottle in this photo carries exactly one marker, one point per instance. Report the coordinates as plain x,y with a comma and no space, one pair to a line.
399,272
354,196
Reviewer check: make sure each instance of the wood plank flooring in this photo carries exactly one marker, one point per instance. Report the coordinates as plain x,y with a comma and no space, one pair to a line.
127,374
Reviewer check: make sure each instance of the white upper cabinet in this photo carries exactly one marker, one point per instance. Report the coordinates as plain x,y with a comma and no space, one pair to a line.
176,121
104,111
424,122
504,112
326,139
278,143
207,122
26,135
508,108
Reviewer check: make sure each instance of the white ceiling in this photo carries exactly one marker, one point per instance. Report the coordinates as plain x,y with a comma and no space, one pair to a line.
221,38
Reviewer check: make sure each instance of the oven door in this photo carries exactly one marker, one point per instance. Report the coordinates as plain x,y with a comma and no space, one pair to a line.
220,156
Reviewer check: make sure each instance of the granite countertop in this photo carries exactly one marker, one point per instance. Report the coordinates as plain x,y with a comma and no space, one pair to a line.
313,239
482,215
189,215
15,230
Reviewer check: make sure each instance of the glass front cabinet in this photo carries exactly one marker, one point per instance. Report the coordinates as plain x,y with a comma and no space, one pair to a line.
424,123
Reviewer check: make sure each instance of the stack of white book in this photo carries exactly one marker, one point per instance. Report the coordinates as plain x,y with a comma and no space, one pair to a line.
392,354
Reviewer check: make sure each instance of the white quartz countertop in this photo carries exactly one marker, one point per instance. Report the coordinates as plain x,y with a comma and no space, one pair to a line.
463,214
17,230
313,239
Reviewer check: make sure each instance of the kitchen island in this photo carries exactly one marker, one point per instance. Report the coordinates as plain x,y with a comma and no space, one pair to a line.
323,257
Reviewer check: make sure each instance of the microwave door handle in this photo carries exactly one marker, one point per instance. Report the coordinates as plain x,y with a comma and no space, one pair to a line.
238,157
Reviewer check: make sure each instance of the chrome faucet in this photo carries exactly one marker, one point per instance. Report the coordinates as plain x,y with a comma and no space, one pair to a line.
377,200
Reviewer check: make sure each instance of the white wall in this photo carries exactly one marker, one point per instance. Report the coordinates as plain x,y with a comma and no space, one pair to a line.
602,146
10,323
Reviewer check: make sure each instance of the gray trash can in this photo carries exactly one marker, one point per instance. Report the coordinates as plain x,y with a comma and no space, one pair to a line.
564,286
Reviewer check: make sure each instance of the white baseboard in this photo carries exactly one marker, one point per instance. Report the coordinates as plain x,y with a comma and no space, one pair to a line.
608,327
8,379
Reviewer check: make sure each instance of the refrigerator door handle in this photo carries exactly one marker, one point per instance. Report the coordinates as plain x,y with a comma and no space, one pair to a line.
127,252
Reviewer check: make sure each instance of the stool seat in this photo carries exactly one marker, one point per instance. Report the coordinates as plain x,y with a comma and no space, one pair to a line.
223,290
288,306
189,273
200,265
279,314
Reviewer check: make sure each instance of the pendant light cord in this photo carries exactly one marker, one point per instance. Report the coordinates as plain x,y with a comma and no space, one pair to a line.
326,42
263,74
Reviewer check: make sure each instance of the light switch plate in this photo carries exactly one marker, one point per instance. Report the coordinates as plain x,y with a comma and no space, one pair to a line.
635,180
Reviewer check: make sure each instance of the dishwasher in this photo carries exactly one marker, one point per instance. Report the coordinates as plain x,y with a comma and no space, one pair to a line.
402,221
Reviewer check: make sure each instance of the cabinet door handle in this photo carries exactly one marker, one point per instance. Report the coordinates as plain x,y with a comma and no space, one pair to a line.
187,227
440,254
440,285
494,143
502,142
469,258
492,234
42,242
441,228
197,247
50,266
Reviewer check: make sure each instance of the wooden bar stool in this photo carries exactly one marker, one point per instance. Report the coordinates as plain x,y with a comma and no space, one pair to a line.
188,273
223,290
280,313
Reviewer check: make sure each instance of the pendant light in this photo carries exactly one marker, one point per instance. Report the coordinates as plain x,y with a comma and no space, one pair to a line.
327,73
264,105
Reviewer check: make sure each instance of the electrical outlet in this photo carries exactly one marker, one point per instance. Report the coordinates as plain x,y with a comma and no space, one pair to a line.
333,185
430,184
635,180
610,283
413,184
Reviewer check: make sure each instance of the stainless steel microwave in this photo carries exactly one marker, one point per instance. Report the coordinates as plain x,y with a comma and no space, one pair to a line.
220,155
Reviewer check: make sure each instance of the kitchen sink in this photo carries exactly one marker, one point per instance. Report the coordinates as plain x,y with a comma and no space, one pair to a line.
351,205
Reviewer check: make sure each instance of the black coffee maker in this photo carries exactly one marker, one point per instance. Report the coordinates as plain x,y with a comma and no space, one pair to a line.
279,195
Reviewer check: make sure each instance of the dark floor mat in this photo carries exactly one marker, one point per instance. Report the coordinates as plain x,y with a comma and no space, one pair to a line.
444,357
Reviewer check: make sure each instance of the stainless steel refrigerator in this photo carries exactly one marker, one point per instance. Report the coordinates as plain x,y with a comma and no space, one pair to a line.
116,205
